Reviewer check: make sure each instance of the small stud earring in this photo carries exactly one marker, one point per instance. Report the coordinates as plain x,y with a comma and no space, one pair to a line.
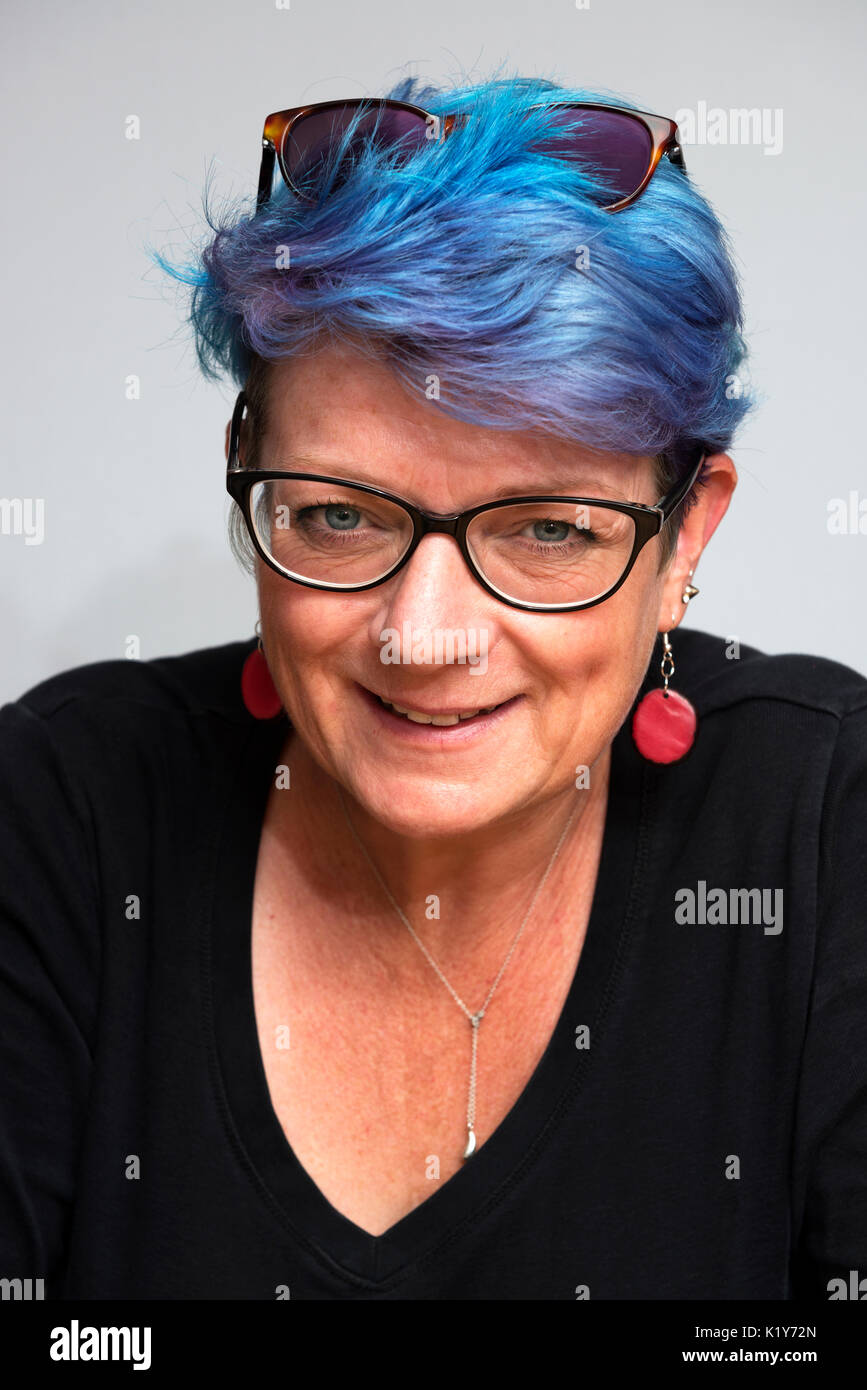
690,591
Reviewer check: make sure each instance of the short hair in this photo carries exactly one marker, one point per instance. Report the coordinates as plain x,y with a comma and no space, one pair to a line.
485,262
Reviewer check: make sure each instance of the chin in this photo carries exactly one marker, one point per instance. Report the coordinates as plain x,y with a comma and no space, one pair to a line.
418,806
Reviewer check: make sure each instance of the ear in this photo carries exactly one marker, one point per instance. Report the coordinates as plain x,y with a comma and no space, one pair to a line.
704,516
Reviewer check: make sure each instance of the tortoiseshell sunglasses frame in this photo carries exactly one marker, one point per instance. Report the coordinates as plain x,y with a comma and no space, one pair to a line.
278,126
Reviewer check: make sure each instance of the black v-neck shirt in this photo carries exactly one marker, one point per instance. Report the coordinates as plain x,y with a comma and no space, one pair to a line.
709,1143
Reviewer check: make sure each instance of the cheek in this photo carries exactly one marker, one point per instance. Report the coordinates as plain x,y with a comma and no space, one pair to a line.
629,628
595,660
299,624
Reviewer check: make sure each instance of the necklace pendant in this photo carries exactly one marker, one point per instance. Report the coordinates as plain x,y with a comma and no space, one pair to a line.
471,1144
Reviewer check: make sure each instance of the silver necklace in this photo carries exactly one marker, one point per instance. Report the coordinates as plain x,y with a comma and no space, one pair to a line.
475,1019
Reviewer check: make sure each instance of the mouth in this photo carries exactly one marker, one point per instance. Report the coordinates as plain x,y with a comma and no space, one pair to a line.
447,726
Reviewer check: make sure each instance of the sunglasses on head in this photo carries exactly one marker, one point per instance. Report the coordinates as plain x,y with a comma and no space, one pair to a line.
619,147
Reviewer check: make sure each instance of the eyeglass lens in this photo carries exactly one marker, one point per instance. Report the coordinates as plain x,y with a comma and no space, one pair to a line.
614,149
537,552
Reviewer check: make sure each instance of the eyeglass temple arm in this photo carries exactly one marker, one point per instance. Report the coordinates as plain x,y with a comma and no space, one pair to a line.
266,174
233,463
675,153
674,498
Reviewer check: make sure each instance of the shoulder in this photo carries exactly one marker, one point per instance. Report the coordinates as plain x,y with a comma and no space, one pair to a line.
779,738
719,673
84,737
201,682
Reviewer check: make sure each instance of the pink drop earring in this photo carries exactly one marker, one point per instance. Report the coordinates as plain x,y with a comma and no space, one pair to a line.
258,690
665,722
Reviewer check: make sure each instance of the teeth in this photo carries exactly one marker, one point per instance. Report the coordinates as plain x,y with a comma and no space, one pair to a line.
442,720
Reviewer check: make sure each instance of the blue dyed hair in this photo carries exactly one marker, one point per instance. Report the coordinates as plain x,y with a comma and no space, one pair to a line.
461,261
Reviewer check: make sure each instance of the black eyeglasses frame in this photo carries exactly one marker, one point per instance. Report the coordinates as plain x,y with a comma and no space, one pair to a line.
648,520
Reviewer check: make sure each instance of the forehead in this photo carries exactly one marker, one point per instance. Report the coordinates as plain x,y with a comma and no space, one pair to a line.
337,410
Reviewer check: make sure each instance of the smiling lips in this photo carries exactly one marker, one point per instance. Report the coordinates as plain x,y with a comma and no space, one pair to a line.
441,720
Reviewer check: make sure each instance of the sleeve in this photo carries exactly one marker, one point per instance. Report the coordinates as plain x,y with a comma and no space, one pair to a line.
49,985
830,1238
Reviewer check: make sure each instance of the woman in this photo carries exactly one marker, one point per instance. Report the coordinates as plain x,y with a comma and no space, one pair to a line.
474,931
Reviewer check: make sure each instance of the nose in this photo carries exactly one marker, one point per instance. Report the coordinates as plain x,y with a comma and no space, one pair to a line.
435,592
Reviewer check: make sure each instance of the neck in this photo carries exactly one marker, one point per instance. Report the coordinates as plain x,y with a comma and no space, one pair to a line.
484,880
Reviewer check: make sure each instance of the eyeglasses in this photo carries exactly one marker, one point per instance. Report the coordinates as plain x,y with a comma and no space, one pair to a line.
617,147
540,553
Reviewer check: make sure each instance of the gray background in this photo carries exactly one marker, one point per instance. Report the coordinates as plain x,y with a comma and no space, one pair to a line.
135,507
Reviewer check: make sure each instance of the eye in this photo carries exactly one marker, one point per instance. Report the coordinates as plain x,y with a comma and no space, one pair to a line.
338,515
554,532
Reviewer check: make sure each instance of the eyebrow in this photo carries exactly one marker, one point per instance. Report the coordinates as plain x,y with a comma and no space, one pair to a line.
561,485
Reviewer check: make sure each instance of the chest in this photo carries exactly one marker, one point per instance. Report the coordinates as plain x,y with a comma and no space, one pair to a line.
368,1064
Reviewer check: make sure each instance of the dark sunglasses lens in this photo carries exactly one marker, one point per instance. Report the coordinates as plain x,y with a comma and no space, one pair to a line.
313,139
613,148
